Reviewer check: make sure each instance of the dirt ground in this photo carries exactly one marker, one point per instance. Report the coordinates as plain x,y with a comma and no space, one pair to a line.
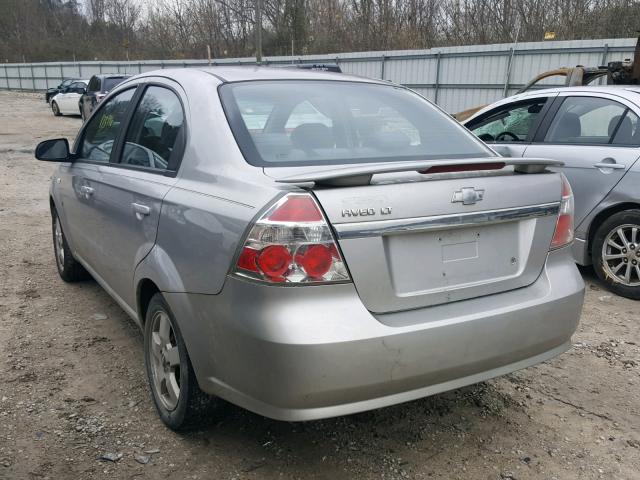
73,387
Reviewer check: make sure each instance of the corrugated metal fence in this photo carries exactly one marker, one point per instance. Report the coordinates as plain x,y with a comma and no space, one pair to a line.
454,77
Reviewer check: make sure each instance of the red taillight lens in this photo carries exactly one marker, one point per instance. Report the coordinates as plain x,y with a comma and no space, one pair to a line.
315,260
292,243
563,234
247,259
274,261
297,209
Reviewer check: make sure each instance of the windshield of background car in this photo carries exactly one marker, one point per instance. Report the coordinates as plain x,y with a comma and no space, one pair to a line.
289,123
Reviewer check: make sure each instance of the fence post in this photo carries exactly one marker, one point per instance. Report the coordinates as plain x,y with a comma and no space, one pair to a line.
61,73
605,51
437,84
80,70
100,67
19,78
6,75
33,78
384,57
507,74
139,67
46,77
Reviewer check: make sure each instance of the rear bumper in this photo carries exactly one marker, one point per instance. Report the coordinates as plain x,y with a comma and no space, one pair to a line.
314,352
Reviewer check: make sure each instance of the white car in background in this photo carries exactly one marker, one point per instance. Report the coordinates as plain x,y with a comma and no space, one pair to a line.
67,102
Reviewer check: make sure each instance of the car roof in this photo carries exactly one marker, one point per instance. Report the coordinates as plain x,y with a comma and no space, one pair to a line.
621,90
629,92
112,75
227,74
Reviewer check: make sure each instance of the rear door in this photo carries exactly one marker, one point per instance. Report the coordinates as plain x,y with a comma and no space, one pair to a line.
131,188
508,129
597,136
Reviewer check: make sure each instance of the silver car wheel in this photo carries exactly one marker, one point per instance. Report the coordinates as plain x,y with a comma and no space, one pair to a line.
59,243
621,254
165,360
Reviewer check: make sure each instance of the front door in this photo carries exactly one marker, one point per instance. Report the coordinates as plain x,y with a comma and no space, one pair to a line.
509,129
81,182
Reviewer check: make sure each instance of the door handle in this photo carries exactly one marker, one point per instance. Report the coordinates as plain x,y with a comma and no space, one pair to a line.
140,210
86,190
609,163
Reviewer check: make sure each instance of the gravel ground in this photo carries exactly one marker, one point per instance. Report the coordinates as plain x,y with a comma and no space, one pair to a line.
73,388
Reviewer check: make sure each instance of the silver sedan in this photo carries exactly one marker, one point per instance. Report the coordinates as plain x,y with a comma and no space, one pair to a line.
308,244
595,131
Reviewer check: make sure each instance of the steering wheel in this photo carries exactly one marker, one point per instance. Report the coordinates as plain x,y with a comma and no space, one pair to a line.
503,135
486,137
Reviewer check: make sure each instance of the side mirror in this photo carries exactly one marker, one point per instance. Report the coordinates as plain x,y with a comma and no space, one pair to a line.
56,150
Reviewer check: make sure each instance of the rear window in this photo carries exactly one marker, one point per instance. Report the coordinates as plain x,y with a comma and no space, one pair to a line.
288,123
109,83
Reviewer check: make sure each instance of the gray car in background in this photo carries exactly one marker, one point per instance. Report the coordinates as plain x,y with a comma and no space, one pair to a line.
308,244
595,131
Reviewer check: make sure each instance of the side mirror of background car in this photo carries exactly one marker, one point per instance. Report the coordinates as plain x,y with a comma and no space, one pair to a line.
56,150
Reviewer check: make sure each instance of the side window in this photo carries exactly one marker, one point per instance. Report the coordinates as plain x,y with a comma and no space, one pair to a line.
102,129
513,123
152,137
77,87
628,132
585,120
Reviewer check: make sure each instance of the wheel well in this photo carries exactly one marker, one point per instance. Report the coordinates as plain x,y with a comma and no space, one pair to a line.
146,290
603,215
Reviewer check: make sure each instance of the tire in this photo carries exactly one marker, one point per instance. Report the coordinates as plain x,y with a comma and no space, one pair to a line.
621,270
68,267
55,109
189,408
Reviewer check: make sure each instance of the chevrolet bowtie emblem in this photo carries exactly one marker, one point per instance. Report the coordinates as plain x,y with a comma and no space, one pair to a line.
468,195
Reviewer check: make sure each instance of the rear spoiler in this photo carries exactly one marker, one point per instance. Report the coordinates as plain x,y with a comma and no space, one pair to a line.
353,175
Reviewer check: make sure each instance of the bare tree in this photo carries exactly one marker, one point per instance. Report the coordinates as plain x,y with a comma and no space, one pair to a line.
163,29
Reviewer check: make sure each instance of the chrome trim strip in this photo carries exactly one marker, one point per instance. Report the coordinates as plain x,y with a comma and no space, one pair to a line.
411,225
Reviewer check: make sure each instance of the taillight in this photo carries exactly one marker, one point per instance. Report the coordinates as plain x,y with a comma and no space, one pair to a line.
564,225
292,244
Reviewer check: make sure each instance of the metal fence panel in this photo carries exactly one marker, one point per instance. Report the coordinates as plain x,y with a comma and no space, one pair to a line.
454,77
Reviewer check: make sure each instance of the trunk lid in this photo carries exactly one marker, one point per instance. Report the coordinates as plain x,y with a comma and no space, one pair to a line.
412,240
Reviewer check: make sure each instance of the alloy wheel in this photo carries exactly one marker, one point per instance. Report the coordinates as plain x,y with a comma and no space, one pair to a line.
58,243
621,254
165,360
